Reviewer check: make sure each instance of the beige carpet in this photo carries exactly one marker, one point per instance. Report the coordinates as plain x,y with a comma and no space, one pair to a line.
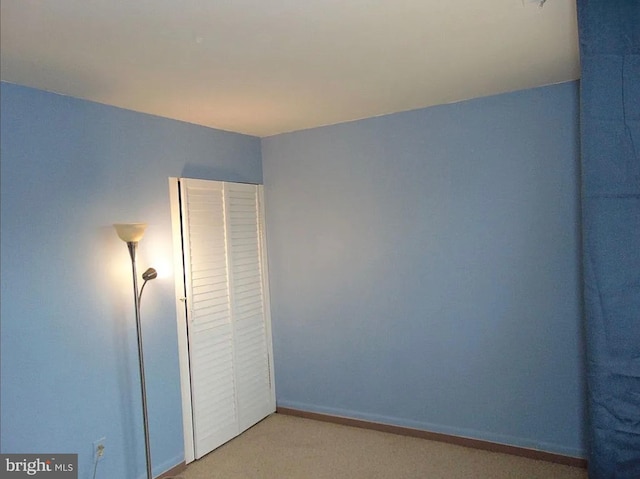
287,447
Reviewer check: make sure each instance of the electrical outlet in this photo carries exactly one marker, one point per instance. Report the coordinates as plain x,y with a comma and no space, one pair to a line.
99,449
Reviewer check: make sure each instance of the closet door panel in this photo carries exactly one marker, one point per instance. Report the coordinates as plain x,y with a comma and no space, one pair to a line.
244,241
209,325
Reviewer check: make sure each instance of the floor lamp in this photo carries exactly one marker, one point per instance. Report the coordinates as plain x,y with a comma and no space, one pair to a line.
131,233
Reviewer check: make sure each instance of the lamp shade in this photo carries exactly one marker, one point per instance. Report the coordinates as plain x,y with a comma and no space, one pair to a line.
150,274
130,232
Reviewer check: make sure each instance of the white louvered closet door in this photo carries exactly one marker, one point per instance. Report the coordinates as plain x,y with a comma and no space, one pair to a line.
227,310
244,243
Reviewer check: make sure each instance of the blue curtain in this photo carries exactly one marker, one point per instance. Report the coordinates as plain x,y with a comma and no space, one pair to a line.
610,139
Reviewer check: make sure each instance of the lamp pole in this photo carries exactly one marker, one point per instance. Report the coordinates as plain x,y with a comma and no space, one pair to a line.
132,245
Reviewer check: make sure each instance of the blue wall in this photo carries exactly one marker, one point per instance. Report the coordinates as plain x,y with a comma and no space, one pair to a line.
424,269
70,169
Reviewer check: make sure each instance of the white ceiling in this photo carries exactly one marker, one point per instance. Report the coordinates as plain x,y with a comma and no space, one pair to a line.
264,67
